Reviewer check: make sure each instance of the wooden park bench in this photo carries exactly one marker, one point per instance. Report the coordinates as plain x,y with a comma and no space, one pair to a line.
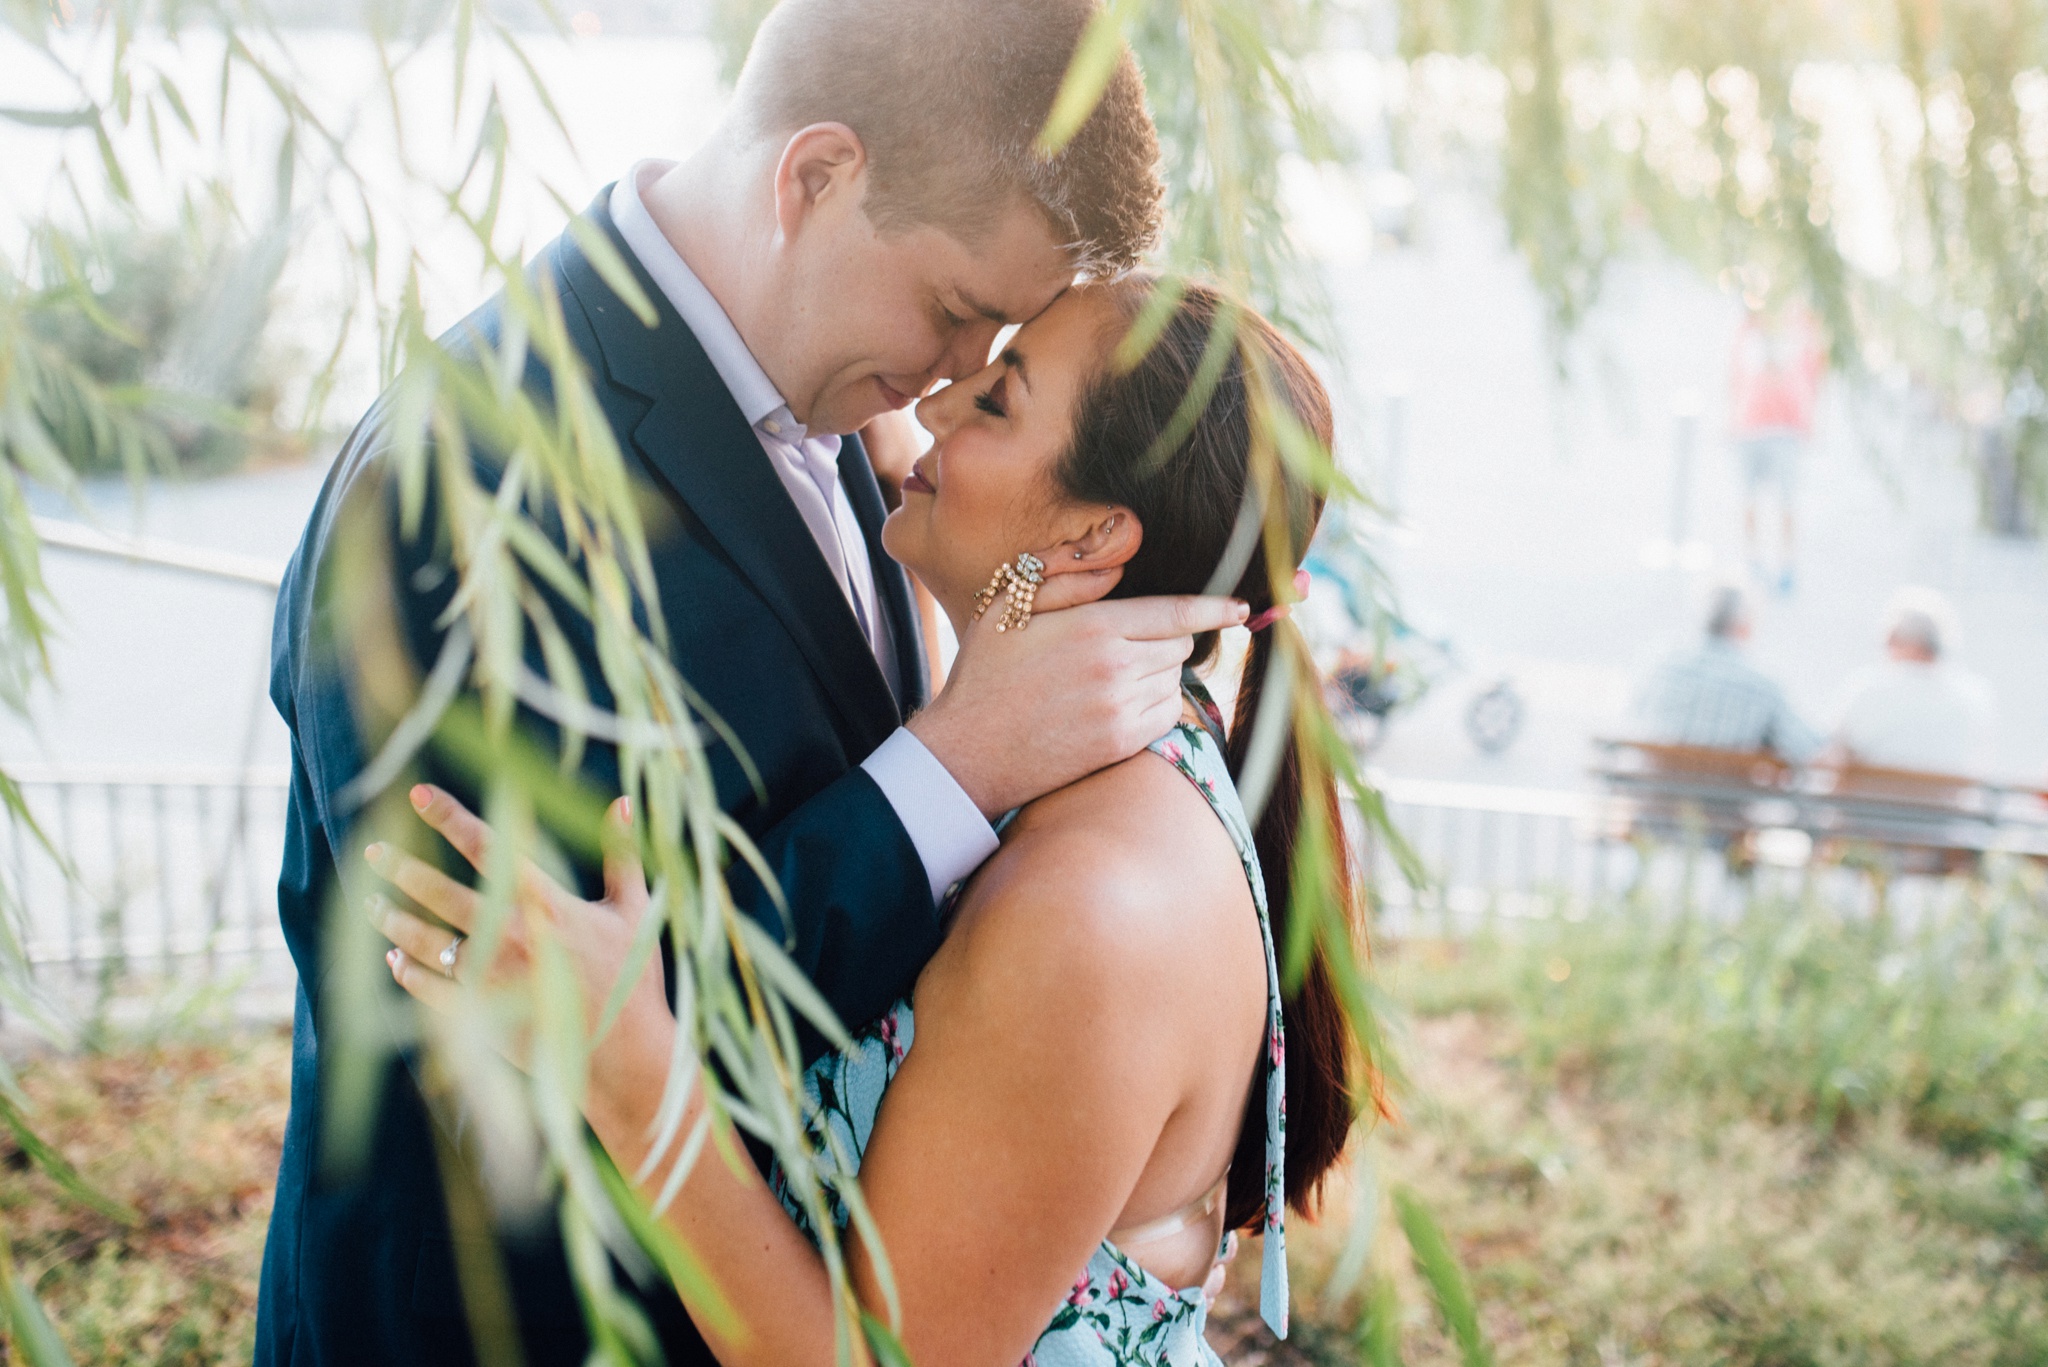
1914,822
1692,792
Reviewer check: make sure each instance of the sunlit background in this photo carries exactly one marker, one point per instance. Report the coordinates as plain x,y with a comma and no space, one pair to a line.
1530,328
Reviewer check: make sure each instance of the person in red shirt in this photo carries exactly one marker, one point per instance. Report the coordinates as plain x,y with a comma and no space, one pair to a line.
1774,380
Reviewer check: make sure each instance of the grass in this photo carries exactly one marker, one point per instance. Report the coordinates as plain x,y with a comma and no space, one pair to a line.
185,1134
1788,1140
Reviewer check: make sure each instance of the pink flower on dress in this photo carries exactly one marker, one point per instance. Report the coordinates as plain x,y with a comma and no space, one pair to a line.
1172,753
1276,1047
1158,1311
1081,1289
1118,1284
890,1040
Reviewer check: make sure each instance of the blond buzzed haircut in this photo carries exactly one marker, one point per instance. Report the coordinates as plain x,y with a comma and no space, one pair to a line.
948,97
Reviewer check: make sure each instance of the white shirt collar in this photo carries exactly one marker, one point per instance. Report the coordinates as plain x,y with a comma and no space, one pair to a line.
759,401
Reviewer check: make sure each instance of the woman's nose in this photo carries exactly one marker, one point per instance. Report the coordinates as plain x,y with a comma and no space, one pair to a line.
935,412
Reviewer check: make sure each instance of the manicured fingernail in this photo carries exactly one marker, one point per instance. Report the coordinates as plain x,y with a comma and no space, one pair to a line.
1239,612
626,810
421,795
391,958
374,853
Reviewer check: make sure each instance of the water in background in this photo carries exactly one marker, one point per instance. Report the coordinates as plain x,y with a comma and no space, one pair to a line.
1526,508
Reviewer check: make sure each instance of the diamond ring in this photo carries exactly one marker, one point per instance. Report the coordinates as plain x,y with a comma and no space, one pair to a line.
448,955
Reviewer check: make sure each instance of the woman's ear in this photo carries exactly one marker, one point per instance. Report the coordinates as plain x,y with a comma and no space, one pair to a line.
1111,537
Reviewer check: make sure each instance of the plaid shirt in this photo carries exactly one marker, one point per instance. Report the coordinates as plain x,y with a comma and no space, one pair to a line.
1712,696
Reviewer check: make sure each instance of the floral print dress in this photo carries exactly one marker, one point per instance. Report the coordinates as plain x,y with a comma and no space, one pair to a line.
1118,1314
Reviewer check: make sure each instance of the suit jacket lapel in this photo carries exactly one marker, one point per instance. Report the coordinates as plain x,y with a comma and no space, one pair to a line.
857,477
694,438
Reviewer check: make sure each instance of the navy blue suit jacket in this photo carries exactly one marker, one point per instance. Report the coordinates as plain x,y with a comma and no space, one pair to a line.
359,1268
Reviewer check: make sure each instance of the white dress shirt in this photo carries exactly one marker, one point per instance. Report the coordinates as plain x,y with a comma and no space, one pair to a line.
950,834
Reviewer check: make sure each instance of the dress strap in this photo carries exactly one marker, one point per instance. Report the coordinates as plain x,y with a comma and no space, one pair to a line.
1205,706
1196,747
1198,1209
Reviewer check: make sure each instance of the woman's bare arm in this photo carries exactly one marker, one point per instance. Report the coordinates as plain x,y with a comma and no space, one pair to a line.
1026,1110
1047,1061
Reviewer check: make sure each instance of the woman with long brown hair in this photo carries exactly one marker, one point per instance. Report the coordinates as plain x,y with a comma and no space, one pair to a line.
1098,1077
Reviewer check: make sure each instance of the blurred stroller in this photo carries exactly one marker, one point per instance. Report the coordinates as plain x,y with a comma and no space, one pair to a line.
1376,661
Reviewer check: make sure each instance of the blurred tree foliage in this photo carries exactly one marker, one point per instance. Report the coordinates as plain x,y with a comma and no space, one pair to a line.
560,512
78,311
1885,162
175,316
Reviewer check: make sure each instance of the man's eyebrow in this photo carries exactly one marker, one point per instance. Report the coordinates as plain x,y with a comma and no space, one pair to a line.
1014,359
988,311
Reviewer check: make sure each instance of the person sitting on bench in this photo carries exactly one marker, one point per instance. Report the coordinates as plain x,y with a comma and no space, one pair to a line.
1714,696
1915,709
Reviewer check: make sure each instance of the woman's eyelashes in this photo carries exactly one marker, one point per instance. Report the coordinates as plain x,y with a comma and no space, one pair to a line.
990,400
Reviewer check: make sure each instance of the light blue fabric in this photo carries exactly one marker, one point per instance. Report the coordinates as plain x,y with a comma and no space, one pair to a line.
1117,1314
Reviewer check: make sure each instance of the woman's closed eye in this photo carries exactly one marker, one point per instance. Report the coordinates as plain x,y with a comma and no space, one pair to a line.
991,400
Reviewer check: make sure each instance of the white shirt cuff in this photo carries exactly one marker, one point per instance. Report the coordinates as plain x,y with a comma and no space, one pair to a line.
951,835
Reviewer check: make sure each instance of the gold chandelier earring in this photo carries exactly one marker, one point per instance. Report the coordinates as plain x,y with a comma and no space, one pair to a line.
1018,582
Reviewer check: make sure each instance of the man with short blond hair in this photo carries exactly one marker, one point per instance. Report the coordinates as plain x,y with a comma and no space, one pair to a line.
956,154
867,218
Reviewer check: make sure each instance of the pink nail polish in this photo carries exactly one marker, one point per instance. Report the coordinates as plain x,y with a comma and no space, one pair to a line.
421,795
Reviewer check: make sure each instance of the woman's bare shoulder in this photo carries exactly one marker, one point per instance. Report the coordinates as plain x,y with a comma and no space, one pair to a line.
1084,934
1129,866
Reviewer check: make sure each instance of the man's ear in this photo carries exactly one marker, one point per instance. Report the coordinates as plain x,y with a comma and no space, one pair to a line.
1110,538
824,162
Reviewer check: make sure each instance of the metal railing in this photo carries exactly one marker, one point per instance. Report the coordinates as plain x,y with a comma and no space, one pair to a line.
1509,852
165,872
174,871
66,535
148,870
1489,849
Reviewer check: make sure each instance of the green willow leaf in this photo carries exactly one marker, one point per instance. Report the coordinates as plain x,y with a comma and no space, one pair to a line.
1094,62
85,116
1379,1326
613,268
29,1331
1445,1277
888,1350
58,1169
683,1267
773,963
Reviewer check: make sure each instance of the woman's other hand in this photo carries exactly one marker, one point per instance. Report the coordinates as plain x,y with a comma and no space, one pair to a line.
599,938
